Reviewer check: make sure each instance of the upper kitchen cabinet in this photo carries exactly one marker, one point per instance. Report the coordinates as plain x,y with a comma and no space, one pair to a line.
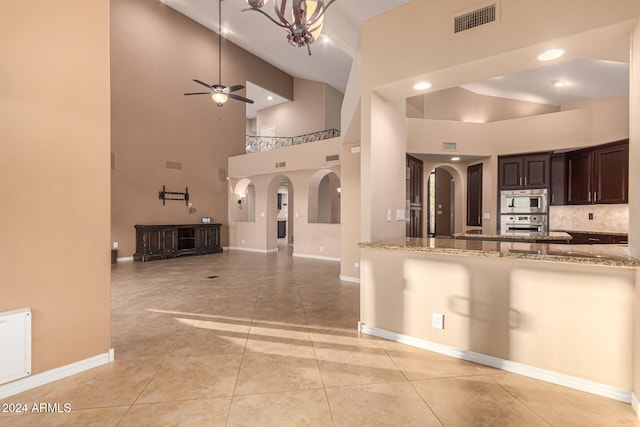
598,174
558,192
524,171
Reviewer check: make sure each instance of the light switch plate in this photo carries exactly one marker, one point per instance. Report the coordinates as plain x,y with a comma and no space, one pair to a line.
399,214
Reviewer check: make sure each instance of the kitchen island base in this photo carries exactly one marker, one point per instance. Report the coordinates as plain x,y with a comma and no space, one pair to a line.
575,318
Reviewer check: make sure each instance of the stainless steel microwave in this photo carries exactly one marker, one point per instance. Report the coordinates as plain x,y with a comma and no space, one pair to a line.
523,201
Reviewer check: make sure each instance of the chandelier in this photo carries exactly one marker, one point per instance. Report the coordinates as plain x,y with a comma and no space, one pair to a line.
306,20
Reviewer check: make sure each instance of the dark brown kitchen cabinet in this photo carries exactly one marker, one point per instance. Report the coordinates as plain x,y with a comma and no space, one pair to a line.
524,171
578,238
599,174
474,195
168,241
558,192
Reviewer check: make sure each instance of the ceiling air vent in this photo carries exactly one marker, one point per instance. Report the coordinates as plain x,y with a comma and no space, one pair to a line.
449,146
333,158
475,18
281,164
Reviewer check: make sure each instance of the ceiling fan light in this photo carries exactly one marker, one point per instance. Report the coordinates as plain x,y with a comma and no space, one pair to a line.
219,98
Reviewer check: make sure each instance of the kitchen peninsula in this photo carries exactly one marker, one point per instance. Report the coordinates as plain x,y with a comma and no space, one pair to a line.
532,308
530,236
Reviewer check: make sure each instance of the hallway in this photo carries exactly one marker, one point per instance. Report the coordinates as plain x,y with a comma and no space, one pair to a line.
247,339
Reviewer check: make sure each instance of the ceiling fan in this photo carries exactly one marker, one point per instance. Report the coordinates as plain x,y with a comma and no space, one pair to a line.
220,93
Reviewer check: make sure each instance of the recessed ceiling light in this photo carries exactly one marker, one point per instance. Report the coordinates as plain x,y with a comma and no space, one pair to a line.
270,98
551,54
455,159
422,86
559,83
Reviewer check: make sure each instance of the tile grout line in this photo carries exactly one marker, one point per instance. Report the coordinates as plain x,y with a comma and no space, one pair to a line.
244,350
324,387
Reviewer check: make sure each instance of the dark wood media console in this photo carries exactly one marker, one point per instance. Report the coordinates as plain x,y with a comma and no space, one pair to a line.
168,241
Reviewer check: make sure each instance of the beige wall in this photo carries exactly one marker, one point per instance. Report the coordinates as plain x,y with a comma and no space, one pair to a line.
315,107
155,54
509,309
634,145
383,182
54,175
350,211
305,164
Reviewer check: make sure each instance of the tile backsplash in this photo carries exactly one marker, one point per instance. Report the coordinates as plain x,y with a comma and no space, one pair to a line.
612,218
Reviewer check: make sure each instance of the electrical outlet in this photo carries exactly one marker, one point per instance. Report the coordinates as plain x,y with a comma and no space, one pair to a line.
115,245
388,215
590,216
321,248
437,321
356,267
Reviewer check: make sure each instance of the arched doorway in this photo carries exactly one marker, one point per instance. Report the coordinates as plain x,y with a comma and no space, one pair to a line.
280,215
441,196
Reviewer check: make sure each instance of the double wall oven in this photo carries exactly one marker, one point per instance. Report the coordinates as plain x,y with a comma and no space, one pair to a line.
523,211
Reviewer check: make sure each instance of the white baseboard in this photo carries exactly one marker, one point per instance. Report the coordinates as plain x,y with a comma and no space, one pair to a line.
55,374
350,279
260,251
125,259
575,383
324,258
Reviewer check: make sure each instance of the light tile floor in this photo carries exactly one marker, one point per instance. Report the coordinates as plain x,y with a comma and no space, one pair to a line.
272,341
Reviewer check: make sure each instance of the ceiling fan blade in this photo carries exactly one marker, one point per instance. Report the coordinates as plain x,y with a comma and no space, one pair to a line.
198,93
235,88
203,83
239,98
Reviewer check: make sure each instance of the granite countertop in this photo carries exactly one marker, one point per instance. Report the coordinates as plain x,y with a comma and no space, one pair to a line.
606,255
612,233
534,236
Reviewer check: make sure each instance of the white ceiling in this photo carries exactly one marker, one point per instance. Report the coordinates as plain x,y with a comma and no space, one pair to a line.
580,78
331,58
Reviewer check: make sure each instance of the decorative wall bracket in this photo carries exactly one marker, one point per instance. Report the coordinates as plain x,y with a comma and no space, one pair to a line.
162,195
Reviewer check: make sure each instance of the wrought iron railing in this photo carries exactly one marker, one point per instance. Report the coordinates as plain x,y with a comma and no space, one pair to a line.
265,143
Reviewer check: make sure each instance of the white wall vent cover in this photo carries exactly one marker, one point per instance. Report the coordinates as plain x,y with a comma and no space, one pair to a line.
15,342
449,146
475,18
333,158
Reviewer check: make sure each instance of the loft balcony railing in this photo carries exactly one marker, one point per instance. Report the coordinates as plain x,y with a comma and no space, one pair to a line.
256,144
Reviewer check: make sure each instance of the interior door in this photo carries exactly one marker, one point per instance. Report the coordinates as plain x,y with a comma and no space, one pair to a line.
444,203
414,196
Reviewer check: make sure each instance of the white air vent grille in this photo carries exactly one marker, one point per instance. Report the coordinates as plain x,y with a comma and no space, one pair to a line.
475,18
333,158
281,164
449,146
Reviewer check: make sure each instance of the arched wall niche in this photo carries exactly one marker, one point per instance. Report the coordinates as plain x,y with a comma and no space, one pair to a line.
324,197
245,199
